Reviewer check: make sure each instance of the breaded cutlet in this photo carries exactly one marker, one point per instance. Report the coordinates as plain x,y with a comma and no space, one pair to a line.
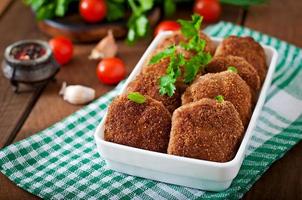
145,126
148,84
207,130
228,84
247,48
177,38
245,70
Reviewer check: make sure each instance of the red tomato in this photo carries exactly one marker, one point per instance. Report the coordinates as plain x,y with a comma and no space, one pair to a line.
93,10
209,9
62,49
111,70
166,26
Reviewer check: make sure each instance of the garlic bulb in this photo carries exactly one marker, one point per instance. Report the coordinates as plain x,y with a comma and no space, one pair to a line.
106,48
77,94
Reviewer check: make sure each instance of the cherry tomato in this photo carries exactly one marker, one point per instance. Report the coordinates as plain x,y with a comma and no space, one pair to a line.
93,10
166,26
209,9
62,49
111,70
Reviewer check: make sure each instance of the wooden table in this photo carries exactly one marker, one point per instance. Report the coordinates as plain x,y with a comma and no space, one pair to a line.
22,115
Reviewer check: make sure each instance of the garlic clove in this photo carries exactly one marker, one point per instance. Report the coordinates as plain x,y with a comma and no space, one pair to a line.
77,94
106,48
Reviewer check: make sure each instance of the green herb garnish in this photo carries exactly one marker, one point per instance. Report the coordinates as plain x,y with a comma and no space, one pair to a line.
232,69
244,2
193,66
168,52
196,45
191,28
167,82
219,98
136,97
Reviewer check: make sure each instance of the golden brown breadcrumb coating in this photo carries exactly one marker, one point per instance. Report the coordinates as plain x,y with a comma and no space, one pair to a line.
206,130
148,84
228,84
145,126
177,37
245,70
247,48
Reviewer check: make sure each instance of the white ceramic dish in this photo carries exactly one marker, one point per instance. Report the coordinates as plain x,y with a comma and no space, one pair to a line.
200,174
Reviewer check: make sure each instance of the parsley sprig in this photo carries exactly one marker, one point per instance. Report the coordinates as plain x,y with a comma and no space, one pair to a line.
194,44
136,97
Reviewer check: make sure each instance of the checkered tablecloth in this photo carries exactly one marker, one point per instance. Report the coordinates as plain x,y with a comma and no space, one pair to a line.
61,162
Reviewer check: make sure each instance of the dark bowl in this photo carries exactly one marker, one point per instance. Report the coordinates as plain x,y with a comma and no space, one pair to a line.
29,71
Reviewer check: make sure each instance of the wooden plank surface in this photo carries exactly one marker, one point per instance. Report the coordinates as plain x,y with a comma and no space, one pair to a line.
4,5
50,108
14,108
281,19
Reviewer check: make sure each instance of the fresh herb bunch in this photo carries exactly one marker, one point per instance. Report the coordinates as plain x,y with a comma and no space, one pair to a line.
244,2
167,82
138,23
195,44
46,9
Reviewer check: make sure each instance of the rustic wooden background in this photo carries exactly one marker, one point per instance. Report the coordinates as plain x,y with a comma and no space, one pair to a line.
25,114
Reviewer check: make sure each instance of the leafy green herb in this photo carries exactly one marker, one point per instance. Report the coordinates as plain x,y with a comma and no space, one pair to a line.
138,22
196,44
46,9
168,52
232,69
219,98
191,66
244,2
167,82
136,97
116,9
169,7
191,28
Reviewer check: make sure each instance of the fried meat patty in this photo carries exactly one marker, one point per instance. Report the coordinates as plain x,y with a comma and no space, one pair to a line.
145,126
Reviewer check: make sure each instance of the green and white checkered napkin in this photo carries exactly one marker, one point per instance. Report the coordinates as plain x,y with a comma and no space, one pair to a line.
61,162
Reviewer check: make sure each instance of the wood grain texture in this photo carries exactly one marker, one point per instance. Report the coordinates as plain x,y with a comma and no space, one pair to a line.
13,107
4,5
283,180
281,19
51,108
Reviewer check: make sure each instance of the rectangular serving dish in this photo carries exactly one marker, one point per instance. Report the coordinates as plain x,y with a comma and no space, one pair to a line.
189,172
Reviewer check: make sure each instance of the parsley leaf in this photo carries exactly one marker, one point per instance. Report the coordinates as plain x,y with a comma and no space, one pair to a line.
232,69
191,28
219,98
45,9
116,10
168,52
138,23
192,66
167,82
195,44
136,97
167,85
